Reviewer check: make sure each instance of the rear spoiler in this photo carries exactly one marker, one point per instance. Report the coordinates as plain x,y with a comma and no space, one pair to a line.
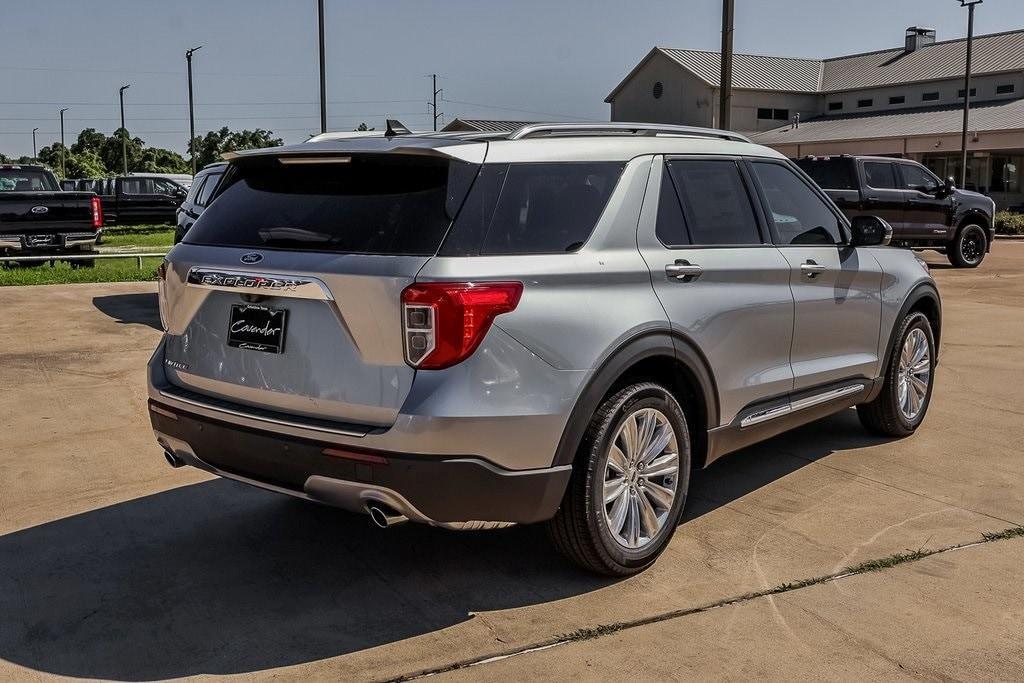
472,152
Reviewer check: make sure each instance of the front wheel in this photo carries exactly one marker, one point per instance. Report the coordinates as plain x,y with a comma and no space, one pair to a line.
629,483
969,247
900,407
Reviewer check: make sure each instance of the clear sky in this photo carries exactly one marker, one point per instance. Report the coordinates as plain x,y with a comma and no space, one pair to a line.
526,59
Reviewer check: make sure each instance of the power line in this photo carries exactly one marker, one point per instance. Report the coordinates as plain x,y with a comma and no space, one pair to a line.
517,110
231,117
211,104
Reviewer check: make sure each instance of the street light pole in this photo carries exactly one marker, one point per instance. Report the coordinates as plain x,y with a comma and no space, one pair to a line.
725,87
34,143
62,164
969,4
191,111
323,74
124,131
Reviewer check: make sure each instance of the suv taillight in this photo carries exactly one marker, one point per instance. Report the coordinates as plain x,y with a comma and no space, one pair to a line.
444,322
97,213
161,292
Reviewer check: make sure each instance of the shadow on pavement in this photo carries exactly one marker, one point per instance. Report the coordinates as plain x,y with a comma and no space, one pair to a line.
220,578
130,309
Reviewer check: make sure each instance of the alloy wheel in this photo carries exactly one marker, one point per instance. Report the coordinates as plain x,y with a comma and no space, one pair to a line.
972,244
640,477
915,374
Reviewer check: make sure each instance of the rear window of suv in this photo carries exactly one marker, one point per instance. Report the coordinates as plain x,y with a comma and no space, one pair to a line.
367,204
532,208
830,174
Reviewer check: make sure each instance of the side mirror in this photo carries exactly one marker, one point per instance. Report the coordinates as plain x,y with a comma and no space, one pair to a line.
949,186
870,231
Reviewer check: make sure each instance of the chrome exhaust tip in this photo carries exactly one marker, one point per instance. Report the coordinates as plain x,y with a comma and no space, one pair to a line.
173,460
383,516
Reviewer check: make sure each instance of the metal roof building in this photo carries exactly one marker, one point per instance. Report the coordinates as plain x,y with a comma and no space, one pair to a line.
905,101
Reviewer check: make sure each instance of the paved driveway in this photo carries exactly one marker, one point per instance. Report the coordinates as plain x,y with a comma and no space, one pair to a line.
113,565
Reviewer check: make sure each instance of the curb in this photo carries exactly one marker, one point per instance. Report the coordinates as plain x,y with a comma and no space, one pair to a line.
1010,237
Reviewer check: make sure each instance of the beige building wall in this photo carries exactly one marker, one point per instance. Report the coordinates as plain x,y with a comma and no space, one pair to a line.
745,104
685,99
949,91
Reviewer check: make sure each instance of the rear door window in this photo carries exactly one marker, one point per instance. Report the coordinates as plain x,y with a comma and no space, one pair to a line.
880,175
363,204
830,174
715,202
209,185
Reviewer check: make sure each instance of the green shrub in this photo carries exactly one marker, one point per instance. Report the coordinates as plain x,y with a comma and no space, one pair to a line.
1009,223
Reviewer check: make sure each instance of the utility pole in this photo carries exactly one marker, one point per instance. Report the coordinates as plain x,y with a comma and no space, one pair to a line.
725,87
969,4
191,111
34,143
323,71
124,131
433,105
62,164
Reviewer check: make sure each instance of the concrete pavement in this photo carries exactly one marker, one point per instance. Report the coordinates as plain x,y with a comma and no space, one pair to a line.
112,565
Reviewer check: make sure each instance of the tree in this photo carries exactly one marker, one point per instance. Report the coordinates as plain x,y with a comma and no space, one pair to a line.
209,147
362,127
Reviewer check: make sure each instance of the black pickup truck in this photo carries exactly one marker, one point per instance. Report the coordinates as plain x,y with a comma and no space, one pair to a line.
37,218
135,198
924,212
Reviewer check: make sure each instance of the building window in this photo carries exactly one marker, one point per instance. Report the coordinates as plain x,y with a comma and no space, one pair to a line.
1004,89
960,93
768,114
835,106
897,99
865,103
659,90
930,96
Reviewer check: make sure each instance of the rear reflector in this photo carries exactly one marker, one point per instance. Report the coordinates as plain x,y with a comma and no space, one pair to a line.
358,457
160,411
444,322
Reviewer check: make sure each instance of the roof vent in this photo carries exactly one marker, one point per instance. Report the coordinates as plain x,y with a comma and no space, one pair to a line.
918,37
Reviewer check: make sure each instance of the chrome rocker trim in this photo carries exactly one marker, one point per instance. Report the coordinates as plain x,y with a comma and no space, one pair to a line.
801,404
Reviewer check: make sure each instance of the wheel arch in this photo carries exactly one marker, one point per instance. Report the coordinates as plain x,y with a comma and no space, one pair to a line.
923,298
664,356
974,216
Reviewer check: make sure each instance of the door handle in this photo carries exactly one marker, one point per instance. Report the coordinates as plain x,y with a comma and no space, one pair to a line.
683,270
811,269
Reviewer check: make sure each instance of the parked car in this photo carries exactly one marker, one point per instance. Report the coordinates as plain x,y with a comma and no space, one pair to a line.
199,195
183,179
37,218
134,199
924,212
554,325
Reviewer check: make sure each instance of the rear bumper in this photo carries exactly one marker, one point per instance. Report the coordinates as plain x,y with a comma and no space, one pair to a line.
48,243
443,491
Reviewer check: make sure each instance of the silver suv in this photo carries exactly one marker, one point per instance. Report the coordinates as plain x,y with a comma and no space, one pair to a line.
554,325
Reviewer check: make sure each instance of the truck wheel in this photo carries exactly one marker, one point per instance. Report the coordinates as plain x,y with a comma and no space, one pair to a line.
900,407
968,247
628,485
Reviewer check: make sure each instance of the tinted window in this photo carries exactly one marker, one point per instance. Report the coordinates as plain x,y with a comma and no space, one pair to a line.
671,226
369,204
209,185
548,208
137,186
715,202
880,175
799,214
865,103
928,96
831,174
917,178
898,99
193,192
26,180
1001,89
166,186
835,106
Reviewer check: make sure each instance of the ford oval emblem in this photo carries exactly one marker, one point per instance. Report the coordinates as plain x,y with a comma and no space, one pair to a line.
251,257
40,209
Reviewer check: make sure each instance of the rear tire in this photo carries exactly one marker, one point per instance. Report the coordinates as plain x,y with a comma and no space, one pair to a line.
629,483
968,248
901,405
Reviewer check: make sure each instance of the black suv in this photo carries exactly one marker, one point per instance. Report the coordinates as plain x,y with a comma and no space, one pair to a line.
199,195
924,212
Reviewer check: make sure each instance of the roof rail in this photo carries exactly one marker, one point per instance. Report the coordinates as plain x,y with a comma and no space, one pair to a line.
535,129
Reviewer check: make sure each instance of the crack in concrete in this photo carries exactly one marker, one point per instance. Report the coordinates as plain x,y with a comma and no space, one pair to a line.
603,630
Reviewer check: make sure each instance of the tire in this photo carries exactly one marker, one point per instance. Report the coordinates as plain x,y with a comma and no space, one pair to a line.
582,529
888,414
968,248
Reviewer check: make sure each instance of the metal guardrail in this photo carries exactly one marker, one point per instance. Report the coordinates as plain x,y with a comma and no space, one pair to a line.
81,257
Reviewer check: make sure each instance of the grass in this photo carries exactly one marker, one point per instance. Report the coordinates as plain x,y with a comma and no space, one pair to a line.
106,270
163,237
